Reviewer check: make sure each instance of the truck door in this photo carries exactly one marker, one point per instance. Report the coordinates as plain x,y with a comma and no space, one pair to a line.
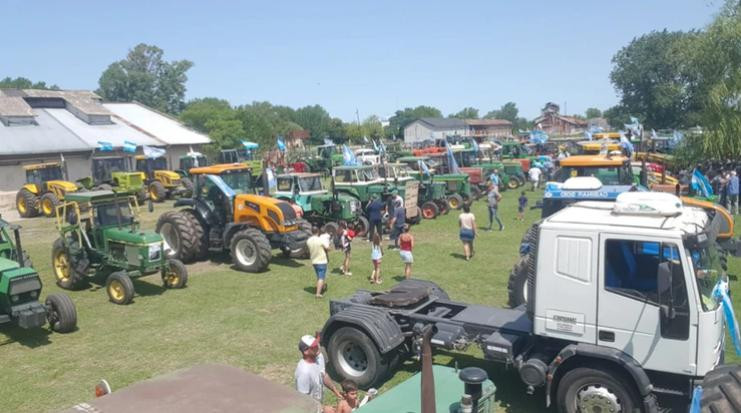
629,316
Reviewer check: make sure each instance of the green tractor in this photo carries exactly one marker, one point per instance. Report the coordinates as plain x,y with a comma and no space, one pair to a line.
431,198
241,156
114,173
321,207
457,186
20,289
323,160
100,238
186,163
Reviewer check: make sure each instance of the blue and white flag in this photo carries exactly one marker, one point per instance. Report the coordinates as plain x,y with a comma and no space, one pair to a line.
423,167
700,184
626,145
720,292
677,137
375,147
153,153
129,147
348,157
475,146
654,135
696,399
250,145
272,182
452,164
537,136
280,143
634,120
105,146
588,135
365,139
382,148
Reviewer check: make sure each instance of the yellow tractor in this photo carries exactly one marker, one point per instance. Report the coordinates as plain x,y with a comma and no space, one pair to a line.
225,215
161,182
44,189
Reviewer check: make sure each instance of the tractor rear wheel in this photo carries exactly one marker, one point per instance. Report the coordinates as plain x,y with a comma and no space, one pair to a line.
157,192
429,210
721,389
49,203
455,201
120,288
179,235
332,229
188,185
201,249
416,219
67,276
443,206
250,250
61,313
25,202
513,183
176,275
361,226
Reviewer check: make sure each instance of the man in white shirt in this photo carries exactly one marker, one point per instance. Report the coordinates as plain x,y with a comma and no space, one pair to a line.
318,248
310,372
534,173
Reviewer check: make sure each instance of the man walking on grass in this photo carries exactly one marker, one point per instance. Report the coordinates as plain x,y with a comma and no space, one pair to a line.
318,249
493,199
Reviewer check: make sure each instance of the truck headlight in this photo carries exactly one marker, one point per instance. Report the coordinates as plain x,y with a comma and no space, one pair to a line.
154,251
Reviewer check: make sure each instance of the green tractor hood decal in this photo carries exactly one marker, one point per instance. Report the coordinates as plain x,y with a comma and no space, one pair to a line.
131,237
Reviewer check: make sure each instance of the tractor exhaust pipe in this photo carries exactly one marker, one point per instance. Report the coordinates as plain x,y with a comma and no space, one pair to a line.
428,379
18,247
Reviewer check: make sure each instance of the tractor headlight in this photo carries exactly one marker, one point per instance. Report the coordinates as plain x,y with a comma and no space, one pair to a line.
354,206
155,251
289,222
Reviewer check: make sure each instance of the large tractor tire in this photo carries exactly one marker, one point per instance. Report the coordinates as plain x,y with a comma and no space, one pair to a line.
25,202
586,389
303,252
250,250
176,275
179,235
333,229
61,313
361,227
120,288
354,356
721,389
201,249
443,206
430,210
48,205
517,284
513,183
157,192
417,219
455,201
188,186
65,272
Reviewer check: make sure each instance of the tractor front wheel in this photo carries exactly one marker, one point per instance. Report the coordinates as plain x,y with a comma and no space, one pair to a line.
513,183
49,203
429,210
175,275
67,276
120,288
157,192
333,229
61,313
250,250
455,201
25,202
443,206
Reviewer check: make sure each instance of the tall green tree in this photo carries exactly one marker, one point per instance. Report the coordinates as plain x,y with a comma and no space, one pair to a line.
402,118
146,77
23,83
617,116
216,118
466,113
509,112
593,113
649,75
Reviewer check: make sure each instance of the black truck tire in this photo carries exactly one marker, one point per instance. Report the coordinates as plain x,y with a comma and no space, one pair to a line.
48,204
176,275
157,192
455,201
354,356
61,313
201,248
721,389
430,210
517,284
120,288
605,390
250,250
65,272
188,186
179,235
25,203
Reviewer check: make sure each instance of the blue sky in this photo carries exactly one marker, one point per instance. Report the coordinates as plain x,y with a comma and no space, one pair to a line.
373,56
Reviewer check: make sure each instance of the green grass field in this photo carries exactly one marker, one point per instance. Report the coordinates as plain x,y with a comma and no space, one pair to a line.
252,321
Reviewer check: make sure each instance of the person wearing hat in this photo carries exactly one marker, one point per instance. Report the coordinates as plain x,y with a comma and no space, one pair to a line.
310,374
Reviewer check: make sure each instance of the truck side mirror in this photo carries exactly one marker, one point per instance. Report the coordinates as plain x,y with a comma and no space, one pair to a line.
666,293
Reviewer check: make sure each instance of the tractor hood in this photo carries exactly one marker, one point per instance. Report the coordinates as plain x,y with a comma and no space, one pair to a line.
65,185
126,235
281,213
168,174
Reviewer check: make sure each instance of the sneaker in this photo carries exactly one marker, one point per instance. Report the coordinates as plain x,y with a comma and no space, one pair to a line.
347,273
502,228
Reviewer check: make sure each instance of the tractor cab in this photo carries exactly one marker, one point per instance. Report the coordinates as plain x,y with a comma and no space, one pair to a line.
143,164
610,170
190,161
161,182
115,173
244,156
106,168
394,172
43,173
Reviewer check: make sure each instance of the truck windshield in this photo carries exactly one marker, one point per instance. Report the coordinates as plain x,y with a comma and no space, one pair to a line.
239,182
706,263
310,183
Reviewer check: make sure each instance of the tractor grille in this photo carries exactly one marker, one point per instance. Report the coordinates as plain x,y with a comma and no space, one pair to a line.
288,213
135,180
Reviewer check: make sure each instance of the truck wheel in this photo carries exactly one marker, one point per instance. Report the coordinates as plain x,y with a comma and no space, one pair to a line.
178,234
188,186
455,201
361,226
67,276
201,248
176,275
49,204
588,390
157,192
721,389
429,210
250,250
61,313
26,202
517,284
354,356
120,288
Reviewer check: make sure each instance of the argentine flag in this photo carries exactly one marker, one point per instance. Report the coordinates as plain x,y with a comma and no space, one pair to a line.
104,146
129,147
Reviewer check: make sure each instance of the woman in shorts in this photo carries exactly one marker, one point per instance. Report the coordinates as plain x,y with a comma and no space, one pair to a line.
406,244
376,257
467,223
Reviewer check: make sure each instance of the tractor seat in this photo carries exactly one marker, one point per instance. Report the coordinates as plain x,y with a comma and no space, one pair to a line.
401,297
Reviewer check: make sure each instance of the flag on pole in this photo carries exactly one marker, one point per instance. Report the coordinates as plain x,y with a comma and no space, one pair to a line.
328,142
281,144
700,184
129,147
423,167
537,136
588,135
105,146
375,146
365,139
452,164
677,137
626,145
249,145
348,157
152,152
475,146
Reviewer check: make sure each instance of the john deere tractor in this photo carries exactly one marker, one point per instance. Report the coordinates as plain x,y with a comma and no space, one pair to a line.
113,173
457,185
431,197
20,289
242,156
161,182
224,214
100,239
45,188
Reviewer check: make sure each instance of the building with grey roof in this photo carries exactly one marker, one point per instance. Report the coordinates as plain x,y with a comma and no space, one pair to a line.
47,125
438,128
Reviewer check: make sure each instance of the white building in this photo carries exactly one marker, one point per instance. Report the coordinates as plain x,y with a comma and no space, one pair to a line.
433,128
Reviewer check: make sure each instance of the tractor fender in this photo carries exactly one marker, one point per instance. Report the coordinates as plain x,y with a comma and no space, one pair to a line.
32,188
579,353
187,202
375,322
